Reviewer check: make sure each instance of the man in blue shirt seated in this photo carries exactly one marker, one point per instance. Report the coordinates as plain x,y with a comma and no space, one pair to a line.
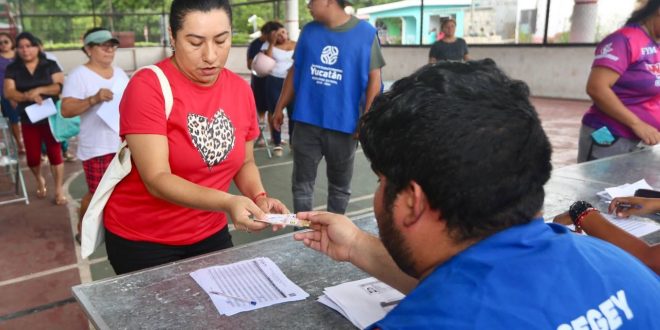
461,159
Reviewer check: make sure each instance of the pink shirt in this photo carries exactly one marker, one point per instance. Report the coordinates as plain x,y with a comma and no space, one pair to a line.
634,55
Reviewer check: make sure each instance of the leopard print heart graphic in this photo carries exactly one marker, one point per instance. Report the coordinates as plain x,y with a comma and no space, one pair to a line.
213,139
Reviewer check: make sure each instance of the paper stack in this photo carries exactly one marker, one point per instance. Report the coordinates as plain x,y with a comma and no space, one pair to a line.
247,285
362,302
624,190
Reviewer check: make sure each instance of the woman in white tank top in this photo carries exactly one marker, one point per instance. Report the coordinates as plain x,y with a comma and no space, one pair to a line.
280,48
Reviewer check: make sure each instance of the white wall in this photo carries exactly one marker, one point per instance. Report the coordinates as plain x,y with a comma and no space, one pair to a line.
128,59
559,72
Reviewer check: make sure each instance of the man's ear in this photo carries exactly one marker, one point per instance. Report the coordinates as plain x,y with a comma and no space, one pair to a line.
415,203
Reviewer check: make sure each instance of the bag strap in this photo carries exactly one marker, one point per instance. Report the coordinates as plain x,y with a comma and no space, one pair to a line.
164,86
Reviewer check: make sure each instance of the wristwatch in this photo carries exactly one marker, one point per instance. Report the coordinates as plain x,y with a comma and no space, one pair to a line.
578,211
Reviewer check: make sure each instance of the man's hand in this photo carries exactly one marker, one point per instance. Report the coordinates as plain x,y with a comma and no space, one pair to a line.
565,219
332,234
278,119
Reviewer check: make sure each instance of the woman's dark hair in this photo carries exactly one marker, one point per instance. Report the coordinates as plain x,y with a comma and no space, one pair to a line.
11,39
90,31
181,8
271,26
34,41
643,13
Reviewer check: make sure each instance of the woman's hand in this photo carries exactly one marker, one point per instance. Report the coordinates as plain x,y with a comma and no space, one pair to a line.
104,95
33,95
272,205
624,207
646,133
242,210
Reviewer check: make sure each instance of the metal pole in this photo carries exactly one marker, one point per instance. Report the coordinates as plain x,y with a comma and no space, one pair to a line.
421,23
20,13
547,23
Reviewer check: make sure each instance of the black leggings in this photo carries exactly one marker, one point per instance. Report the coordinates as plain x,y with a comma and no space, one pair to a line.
127,256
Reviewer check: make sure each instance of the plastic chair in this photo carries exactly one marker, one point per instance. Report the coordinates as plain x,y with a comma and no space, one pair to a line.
10,168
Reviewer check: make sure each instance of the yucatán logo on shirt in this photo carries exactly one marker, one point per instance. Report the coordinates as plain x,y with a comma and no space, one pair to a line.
649,50
325,75
605,53
329,55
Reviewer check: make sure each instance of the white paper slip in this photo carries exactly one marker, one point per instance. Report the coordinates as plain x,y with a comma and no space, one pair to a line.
362,302
285,219
109,110
37,112
247,285
623,190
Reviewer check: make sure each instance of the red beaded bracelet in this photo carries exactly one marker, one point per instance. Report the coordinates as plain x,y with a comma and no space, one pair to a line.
578,221
263,193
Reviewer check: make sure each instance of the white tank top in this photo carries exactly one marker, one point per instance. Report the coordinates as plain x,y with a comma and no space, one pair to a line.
283,61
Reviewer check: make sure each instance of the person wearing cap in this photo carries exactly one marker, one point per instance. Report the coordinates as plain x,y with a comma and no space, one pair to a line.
86,89
336,74
30,79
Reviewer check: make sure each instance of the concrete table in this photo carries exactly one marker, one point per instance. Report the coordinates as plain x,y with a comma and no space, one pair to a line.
167,297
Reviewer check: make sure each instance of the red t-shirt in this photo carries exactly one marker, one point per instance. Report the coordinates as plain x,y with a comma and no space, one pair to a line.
206,132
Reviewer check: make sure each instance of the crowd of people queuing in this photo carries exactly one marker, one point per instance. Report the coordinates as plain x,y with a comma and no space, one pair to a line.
457,264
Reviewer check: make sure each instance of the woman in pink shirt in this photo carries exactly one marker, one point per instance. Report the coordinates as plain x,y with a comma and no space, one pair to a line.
624,85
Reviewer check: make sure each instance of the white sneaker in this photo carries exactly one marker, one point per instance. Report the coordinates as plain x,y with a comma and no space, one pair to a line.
278,151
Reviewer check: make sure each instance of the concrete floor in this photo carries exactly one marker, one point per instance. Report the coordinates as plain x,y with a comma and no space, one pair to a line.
41,261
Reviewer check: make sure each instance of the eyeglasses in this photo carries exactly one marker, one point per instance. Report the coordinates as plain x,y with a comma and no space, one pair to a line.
107,46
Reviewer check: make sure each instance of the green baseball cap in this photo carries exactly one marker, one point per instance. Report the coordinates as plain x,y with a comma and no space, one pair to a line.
99,37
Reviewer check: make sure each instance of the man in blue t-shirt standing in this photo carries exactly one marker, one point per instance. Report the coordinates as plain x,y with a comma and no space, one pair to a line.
336,73
462,159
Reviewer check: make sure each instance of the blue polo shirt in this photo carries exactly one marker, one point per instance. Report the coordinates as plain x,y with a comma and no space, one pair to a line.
534,276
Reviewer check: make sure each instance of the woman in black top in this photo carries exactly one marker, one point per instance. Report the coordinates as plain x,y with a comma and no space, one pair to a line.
31,79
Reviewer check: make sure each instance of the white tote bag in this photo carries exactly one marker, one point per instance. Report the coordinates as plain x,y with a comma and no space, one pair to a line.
93,232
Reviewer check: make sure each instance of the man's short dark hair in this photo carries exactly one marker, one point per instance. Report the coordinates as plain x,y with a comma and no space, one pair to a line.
469,136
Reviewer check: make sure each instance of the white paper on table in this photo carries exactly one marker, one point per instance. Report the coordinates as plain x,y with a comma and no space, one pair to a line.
37,112
637,228
623,190
633,225
256,279
364,301
109,110
326,301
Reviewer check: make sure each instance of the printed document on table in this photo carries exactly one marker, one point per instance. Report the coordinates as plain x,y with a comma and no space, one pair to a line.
109,110
633,225
637,228
362,302
233,287
37,112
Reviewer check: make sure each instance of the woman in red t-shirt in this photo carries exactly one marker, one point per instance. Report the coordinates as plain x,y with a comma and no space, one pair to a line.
172,205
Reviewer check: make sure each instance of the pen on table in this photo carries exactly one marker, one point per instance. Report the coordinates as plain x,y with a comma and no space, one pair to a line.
251,302
628,206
